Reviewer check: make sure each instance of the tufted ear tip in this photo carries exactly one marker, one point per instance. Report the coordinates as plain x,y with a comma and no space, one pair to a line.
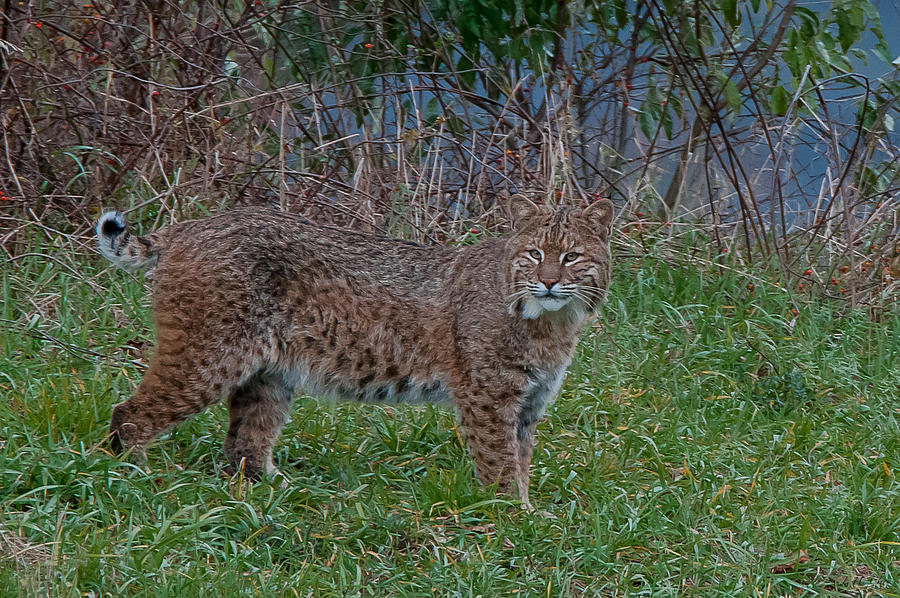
521,209
600,213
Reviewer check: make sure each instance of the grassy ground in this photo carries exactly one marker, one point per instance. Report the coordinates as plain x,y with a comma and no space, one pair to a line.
707,443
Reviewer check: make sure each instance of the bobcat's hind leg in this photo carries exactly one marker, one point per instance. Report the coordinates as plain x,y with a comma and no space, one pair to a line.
191,369
172,390
257,410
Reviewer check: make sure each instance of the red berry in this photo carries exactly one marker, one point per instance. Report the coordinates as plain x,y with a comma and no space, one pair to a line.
808,272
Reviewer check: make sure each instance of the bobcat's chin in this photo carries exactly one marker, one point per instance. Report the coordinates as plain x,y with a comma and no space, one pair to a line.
534,307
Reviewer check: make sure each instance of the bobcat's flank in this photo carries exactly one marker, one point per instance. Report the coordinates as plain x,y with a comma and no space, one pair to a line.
253,304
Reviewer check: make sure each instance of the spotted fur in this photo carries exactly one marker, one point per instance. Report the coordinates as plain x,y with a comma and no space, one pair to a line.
256,304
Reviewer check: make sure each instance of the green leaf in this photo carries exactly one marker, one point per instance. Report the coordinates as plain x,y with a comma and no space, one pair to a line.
755,5
841,63
882,52
431,111
675,104
466,70
690,41
869,10
732,96
809,18
792,60
650,113
822,51
730,12
778,102
859,54
847,30
519,14
667,123
865,114
648,121
622,15
516,49
707,37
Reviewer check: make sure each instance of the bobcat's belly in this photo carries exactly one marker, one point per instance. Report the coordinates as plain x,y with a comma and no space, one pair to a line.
394,392
365,388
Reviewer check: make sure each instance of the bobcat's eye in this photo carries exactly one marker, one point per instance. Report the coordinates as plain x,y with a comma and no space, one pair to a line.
570,257
536,254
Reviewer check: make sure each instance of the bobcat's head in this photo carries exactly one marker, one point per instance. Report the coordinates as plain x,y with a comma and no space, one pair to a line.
559,256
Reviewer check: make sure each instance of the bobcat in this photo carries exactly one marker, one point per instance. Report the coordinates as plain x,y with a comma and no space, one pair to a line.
254,304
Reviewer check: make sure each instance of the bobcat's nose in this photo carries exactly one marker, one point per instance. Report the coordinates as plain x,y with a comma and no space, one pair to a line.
548,281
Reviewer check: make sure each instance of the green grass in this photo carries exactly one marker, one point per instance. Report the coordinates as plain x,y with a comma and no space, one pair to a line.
703,445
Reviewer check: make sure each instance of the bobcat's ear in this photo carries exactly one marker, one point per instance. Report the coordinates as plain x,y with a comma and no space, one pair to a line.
600,214
521,209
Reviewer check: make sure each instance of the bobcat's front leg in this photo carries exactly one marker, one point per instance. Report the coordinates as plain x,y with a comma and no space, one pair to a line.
525,447
491,427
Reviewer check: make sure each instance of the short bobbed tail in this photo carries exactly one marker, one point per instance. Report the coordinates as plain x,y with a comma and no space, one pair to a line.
123,249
